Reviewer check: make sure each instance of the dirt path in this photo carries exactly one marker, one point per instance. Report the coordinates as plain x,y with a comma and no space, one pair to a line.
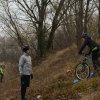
92,96
49,66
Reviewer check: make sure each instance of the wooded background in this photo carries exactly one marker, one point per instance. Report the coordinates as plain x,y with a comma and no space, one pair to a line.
46,25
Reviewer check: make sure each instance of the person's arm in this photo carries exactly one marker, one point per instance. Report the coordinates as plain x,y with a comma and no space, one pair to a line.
31,69
83,46
21,64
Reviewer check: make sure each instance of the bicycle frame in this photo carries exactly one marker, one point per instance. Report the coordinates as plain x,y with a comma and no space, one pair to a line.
84,59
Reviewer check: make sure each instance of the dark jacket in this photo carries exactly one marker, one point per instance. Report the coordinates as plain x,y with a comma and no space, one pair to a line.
90,43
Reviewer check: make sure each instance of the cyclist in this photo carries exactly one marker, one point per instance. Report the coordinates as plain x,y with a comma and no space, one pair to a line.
93,48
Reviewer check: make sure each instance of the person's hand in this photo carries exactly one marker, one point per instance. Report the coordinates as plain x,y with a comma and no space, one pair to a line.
79,52
31,76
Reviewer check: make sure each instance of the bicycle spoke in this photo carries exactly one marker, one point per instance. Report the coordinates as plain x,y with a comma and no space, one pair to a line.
82,71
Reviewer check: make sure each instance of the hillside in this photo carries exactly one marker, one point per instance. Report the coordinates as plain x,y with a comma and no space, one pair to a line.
53,80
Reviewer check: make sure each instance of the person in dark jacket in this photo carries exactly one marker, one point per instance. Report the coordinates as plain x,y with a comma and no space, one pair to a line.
25,69
93,48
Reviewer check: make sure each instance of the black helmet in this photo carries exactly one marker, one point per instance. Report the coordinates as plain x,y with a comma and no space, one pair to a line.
84,35
25,48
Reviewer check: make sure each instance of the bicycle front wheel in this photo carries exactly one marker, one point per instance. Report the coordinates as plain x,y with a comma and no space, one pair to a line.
82,71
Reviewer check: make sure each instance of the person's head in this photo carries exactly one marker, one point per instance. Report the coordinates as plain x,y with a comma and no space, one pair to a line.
85,35
26,49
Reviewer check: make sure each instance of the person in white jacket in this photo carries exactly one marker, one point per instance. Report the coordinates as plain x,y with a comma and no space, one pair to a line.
25,69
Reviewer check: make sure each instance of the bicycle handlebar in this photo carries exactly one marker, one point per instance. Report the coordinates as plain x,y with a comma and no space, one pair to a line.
85,56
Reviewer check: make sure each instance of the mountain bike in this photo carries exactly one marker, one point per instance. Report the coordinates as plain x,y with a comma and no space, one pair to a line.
82,70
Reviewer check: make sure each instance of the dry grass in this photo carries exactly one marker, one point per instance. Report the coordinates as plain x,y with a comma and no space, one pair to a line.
53,79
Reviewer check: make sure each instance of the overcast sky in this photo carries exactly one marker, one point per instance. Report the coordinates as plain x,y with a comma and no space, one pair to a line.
14,8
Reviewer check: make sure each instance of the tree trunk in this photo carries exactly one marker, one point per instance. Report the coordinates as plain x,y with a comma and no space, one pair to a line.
86,16
40,31
79,23
41,39
99,22
50,40
54,24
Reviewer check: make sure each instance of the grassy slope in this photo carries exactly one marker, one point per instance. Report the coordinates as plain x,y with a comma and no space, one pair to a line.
53,80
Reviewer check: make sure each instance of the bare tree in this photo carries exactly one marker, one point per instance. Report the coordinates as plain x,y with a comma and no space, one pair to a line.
97,4
43,18
79,20
99,19
10,23
86,16
37,14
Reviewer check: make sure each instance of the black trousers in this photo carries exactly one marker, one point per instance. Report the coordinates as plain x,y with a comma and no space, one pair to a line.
25,82
95,58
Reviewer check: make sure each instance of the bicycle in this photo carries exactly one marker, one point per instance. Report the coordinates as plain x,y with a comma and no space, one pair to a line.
82,70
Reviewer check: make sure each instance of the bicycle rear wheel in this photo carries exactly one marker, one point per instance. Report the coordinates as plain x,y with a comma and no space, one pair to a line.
82,71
